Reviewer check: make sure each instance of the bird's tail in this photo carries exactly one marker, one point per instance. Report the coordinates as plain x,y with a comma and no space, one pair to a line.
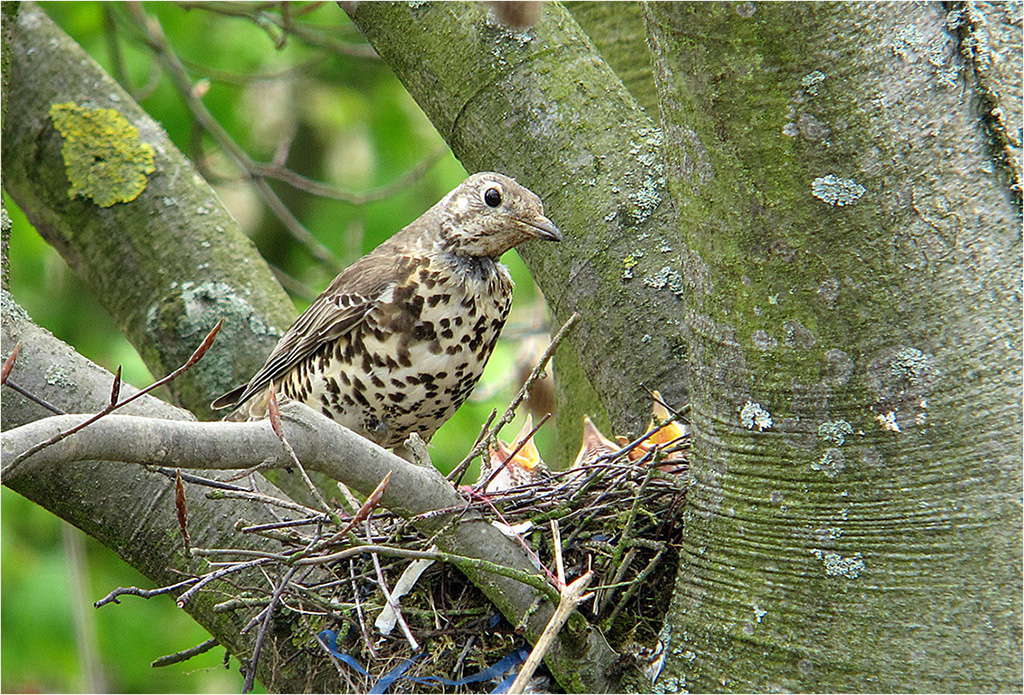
229,399
253,407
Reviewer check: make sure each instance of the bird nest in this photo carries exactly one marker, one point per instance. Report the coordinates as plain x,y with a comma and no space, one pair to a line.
618,516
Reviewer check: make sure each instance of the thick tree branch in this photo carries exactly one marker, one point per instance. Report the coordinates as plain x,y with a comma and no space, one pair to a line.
177,263
127,508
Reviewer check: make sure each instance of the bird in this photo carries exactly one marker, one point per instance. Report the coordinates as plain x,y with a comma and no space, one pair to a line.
502,469
594,445
399,339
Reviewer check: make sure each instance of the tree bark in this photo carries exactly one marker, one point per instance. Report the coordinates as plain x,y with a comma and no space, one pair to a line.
834,206
821,246
856,403
180,284
128,508
168,264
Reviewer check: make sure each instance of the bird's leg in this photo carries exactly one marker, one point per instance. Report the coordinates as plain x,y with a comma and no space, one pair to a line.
414,450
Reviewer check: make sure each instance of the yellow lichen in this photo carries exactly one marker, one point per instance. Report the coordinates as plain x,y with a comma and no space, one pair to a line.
103,157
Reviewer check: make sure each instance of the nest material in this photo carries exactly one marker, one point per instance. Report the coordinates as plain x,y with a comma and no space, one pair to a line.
617,516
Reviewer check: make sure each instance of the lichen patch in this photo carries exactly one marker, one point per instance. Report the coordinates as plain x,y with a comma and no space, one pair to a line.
103,157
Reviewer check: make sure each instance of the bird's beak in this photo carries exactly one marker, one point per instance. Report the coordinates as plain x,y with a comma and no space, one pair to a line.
542,228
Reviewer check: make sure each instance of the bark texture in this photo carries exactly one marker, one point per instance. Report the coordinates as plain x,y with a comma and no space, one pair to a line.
167,264
854,347
129,508
820,245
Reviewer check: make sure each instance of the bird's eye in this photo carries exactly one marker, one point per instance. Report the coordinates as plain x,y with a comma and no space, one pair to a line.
492,197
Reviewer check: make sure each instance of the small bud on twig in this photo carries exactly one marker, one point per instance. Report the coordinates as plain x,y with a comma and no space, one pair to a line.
9,363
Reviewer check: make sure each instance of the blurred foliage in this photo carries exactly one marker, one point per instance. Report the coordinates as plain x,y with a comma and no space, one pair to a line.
343,119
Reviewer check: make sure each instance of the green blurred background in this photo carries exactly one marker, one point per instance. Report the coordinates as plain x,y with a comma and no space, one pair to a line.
337,115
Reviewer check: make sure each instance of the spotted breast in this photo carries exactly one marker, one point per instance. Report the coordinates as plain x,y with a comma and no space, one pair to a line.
399,339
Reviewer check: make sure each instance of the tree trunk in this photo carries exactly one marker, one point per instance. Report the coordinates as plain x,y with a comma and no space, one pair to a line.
857,235
840,263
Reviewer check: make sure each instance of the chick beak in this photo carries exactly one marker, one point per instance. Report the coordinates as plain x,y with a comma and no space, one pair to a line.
542,228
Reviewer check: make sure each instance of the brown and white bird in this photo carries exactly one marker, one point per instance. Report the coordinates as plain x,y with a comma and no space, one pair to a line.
399,339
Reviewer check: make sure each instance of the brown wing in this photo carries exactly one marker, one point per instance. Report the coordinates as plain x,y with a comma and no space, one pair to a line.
340,308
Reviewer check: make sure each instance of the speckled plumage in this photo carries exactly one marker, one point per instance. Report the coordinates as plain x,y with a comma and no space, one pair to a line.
399,339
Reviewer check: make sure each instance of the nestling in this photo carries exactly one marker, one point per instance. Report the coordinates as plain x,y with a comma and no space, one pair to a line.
397,342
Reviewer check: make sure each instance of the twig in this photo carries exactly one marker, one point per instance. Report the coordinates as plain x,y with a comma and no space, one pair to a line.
115,404
303,32
157,41
142,593
510,412
280,524
184,599
291,223
275,423
504,464
634,585
34,398
185,654
382,583
525,546
627,528
303,68
239,552
259,172
9,363
181,508
195,479
371,503
234,604
260,497
534,580
570,597
367,637
556,544
268,613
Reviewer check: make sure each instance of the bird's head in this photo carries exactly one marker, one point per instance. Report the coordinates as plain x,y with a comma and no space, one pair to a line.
489,213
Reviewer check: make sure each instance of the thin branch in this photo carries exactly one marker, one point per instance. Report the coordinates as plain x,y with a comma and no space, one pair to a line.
9,363
268,612
195,479
304,183
34,398
112,597
257,14
260,497
184,599
494,474
570,597
185,654
390,599
274,415
510,412
258,172
115,404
